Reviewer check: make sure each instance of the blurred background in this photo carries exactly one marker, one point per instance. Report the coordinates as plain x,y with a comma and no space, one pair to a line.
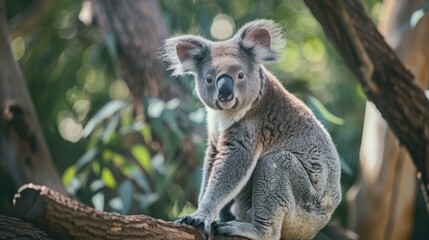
126,137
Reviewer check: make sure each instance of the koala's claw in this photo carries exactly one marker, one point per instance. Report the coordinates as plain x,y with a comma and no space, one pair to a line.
198,221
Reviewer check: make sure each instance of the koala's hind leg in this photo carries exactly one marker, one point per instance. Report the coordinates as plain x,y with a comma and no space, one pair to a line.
272,198
225,214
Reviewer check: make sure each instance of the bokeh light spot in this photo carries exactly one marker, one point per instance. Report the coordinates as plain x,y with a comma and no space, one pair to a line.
18,47
313,50
70,130
119,90
222,27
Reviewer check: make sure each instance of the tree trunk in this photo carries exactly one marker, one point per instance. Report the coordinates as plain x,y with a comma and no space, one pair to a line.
65,218
12,228
137,30
25,154
387,180
384,79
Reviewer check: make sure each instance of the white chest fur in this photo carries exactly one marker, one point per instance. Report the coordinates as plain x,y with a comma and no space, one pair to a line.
218,121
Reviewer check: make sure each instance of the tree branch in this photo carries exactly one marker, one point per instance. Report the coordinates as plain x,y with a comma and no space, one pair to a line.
12,228
388,84
65,218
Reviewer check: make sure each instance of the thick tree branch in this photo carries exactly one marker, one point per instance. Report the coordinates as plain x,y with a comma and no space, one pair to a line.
12,228
134,32
65,218
384,79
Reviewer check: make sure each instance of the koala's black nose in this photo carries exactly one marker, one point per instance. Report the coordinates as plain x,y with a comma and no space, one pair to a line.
225,86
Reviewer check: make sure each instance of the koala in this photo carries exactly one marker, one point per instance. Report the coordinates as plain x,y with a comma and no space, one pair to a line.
271,170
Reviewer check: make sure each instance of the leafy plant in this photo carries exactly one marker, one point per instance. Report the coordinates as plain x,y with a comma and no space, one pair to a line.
125,170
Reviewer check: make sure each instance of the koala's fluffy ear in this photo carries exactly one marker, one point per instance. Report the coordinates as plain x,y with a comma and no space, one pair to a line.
264,39
183,52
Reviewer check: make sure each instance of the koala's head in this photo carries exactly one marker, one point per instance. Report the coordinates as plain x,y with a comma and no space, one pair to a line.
227,73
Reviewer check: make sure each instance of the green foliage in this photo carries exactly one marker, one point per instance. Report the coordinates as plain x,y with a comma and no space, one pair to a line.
120,157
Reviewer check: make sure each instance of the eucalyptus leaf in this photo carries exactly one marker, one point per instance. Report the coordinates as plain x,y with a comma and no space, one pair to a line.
110,128
108,178
155,108
172,104
197,116
170,118
111,45
141,180
116,204
69,175
106,111
87,157
325,112
97,185
345,167
146,133
418,14
134,127
125,192
142,155
98,201
147,200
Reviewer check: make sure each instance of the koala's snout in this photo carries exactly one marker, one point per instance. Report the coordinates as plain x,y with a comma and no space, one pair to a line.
225,86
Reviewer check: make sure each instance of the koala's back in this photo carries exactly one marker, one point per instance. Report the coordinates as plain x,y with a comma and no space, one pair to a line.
284,124
284,121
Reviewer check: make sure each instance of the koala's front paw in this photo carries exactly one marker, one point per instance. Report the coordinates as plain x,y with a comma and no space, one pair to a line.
199,220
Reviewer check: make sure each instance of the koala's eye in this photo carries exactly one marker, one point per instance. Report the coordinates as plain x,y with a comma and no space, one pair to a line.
209,79
241,75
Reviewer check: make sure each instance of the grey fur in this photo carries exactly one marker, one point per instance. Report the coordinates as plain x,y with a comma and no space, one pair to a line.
268,157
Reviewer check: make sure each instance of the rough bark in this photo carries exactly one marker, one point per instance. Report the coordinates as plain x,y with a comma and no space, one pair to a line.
383,77
387,180
12,228
65,218
24,151
137,30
